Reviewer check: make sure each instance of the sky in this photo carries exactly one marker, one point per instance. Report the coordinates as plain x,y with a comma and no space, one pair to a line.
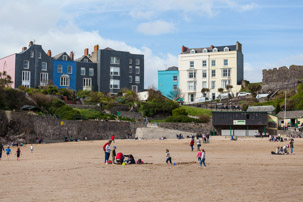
270,31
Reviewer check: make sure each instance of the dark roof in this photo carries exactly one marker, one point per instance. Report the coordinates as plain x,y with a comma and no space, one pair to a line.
108,48
173,68
209,49
56,57
268,108
291,114
81,59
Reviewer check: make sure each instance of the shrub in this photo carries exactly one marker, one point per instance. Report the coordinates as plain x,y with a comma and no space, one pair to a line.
43,101
151,108
67,112
181,119
179,111
204,118
66,92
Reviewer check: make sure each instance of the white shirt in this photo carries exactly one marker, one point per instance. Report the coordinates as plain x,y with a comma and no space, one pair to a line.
107,149
203,155
167,155
32,147
198,141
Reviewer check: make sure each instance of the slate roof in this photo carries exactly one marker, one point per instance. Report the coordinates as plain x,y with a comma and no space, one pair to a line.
82,58
56,57
268,109
291,114
173,68
209,49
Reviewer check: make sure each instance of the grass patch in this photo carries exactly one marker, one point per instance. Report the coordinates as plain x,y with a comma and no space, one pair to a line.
195,111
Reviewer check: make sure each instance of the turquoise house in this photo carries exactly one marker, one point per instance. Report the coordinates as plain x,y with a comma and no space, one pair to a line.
168,82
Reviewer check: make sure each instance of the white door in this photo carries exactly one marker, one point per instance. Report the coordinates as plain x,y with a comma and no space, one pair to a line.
227,132
240,132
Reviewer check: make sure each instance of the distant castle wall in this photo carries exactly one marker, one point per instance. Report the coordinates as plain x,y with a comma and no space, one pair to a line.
282,78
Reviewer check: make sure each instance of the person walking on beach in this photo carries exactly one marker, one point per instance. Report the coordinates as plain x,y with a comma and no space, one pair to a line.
114,154
32,148
18,153
106,148
198,144
203,159
8,152
291,145
199,155
1,149
168,157
191,144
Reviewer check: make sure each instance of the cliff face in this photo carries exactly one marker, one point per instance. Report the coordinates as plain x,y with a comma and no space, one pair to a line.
19,125
282,78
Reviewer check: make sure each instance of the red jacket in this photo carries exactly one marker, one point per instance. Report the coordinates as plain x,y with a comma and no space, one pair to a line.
113,137
119,155
192,142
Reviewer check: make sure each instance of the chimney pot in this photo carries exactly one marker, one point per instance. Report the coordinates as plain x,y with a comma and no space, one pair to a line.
86,52
24,48
96,48
30,43
49,53
211,46
71,55
184,49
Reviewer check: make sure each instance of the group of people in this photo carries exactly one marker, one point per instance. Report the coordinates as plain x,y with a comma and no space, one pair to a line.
284,150
8,151
278,138
205,139
200,155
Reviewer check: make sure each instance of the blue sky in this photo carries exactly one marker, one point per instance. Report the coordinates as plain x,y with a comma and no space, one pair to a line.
270,31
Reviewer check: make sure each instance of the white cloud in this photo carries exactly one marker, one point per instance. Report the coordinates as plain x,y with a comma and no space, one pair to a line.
141,14
156,27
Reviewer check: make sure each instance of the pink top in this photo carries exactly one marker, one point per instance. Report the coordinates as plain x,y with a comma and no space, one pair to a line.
199,154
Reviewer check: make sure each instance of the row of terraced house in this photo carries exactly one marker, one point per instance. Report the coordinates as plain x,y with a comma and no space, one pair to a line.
104,70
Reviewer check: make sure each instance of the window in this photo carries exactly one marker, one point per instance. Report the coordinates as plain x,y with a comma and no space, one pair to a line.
204,74
175,78
43,79
191,85
114,60
225,72
59,70
191,97
64,80
130,79
137,79
114,84
64,57
175,87
226,49
215,50
130,69
213,63
130,61
137,61
44,66
115,71
69,69
191,64
135,88
204,50
39,55
87,84
225,62
26,77
192,51
137,70
25,64
225,83
32,54
83,71
213,73
191,75
91,72
213,84
85,60
204,84
203,63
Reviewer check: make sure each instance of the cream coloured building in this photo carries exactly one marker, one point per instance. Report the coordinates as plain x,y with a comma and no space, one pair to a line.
212,67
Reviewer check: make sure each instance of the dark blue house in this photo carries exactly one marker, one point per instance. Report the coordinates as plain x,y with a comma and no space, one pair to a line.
86,74
64,71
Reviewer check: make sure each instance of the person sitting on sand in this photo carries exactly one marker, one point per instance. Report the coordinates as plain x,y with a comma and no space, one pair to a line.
119,158
130,160
114,154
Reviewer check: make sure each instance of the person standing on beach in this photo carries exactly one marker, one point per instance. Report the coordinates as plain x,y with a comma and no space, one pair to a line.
8,152
113,138
199,155
18,153
203,159
32,148
191,144
168,157
291,145
1,149
198,144
114,154
106,148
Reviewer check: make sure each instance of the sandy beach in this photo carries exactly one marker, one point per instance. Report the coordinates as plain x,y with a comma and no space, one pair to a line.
236,171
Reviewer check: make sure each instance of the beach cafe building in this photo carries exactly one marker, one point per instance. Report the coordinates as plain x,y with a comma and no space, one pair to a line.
239,123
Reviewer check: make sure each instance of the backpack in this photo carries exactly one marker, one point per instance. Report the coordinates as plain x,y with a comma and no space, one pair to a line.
104,146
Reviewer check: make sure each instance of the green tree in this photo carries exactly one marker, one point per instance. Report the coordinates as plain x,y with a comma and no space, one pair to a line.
204,91
5,79
220,90
254,88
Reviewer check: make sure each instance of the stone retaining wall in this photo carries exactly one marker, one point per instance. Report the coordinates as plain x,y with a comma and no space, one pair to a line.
188,127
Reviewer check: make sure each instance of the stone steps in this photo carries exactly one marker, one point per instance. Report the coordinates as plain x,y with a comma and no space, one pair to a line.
154,132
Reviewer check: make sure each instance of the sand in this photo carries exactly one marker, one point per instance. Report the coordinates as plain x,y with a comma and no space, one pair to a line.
236,171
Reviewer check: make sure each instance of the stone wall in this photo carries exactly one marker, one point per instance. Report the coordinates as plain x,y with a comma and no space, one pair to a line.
282,78
20,125
188,127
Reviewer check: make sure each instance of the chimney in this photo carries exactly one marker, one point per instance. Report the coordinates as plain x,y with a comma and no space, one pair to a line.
238,46
212,46
184,49
96,48
71,55
49,53
24,48
30,43
86,52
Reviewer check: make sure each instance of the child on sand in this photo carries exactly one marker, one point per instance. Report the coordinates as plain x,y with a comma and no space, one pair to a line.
203,159
191,144
199,155
291,144
18,153
32,148
198,144
114,154
168,157
8,152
